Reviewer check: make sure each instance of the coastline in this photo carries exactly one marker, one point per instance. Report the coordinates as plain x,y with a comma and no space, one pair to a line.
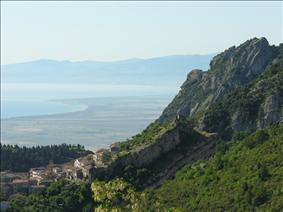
103,121
77,108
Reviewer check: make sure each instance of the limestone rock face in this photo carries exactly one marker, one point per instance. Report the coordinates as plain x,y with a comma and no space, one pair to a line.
272,111
257,104
234,67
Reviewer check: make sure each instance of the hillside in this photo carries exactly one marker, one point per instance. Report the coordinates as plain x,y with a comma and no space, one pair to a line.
255,105
243,175
230,69
216,147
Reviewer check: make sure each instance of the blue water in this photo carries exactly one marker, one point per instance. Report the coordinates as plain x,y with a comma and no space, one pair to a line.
126,111
20,99
20,108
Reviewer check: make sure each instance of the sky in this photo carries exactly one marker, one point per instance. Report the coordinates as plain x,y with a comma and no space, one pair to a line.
109,31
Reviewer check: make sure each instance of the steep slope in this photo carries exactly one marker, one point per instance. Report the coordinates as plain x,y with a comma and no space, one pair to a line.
242,92
234,67
255,105
243,175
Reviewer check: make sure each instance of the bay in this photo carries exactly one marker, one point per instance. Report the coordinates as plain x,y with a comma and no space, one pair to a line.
91,115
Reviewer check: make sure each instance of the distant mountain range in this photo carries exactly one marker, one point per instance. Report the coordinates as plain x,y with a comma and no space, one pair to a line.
216,147
160,70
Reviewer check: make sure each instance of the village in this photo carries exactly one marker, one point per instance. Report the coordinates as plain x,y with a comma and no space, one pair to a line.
38,178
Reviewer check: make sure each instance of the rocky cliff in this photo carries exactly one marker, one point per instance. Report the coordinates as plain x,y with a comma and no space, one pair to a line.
235,67
242,90
255,105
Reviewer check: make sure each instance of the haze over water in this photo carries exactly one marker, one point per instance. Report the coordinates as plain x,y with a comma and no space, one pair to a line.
92,115
35,99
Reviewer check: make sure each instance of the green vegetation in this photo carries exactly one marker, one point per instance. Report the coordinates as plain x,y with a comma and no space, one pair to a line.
138,177
115,195
144,176
228,71
21,159
63,196
246,100
244,175
147,136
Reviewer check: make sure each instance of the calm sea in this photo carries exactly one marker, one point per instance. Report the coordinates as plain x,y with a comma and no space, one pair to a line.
18,100
101,114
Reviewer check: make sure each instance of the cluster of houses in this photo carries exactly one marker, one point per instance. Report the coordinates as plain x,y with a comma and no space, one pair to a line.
39,178
79,169
18,183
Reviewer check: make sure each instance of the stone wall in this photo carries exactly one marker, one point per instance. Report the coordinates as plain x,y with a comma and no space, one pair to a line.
147,154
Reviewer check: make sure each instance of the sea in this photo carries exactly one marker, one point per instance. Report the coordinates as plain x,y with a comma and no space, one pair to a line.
94,115
20,99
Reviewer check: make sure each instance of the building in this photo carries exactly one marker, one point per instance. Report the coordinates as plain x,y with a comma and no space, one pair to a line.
37,173
77,174
102,156
78,164
68,173
57,170
84,161
87,172
115,148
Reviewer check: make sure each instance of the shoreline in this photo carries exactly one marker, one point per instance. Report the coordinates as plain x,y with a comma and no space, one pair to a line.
104,121
82,102
83,108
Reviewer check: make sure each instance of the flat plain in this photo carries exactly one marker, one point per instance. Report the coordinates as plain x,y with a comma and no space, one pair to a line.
106,120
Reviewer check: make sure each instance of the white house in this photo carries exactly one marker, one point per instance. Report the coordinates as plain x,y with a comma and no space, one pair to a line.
37,173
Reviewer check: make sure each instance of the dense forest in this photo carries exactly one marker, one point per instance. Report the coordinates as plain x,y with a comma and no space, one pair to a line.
21,159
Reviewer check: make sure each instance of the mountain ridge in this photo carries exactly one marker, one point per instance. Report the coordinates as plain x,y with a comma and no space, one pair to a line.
160,70
223,132
234,67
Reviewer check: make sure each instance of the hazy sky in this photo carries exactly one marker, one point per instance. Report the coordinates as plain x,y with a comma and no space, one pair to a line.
120,30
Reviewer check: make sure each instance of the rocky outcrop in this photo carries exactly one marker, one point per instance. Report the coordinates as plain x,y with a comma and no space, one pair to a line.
255,105
232,96
271,111
234,67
